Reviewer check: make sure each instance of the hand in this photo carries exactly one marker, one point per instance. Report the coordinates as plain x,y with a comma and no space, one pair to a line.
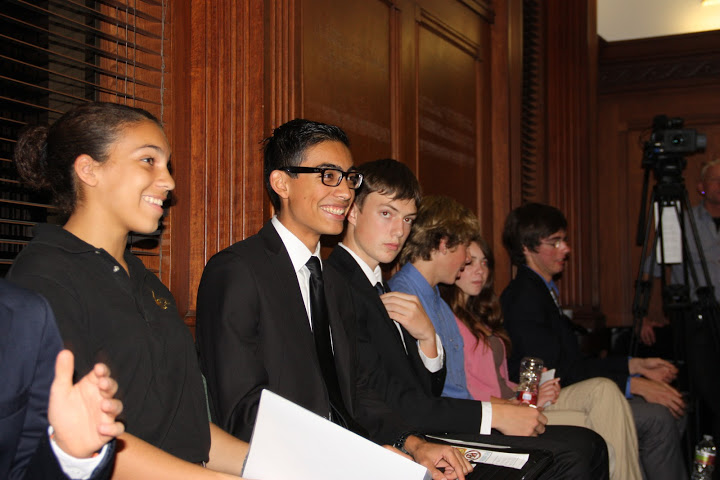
519,420
407,310
548,392
653,368
658,392
434,455
647,332
83,415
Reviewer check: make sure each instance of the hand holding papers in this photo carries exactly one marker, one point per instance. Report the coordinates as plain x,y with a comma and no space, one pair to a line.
546,376
477,452
291,442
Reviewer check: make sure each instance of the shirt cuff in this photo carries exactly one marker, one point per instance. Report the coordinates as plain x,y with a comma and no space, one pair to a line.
486,422
629,395
433,364
76,468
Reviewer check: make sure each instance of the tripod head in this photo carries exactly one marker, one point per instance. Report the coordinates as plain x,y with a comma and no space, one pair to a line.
664,152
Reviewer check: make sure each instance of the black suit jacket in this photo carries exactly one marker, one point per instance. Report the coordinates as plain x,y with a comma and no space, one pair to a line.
28,346
538,328
399,377
253,332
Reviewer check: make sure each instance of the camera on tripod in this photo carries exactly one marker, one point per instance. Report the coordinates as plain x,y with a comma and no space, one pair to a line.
668,143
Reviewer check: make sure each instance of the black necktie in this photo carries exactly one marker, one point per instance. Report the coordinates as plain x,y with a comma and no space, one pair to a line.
323,346
382,289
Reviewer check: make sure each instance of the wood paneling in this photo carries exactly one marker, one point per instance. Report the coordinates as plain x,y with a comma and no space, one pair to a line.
348,70
570,53
626,110
449,102
505,83
409,79
217,100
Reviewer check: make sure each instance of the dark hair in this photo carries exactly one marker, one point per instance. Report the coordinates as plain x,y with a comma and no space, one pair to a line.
287,145
481,313
439,218
45,156
388,177
527,225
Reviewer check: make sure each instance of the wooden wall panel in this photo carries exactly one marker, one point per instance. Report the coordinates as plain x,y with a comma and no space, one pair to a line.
448,106
638,80
405,79
348,71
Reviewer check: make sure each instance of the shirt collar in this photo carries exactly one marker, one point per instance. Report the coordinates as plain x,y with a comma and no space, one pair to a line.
57,236
299,253
414,275
373,276
550,285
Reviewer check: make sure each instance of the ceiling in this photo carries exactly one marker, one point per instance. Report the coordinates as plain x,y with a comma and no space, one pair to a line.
630,19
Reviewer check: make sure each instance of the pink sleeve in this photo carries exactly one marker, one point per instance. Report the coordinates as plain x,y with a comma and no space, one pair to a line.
504,370
480,374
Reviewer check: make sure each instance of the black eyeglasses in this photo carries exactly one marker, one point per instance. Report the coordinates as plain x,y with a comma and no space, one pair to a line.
330,176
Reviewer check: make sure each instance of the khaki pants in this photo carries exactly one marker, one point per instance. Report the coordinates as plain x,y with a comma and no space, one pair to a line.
599,405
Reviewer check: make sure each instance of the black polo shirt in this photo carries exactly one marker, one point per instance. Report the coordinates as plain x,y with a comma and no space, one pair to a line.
131,323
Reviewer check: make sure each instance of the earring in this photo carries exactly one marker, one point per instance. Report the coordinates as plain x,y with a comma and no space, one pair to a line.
702,193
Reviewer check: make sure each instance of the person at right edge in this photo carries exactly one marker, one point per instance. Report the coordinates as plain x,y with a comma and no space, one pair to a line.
535,236
702,348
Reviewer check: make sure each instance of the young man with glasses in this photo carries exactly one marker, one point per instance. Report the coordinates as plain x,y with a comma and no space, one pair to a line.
536,239
269,316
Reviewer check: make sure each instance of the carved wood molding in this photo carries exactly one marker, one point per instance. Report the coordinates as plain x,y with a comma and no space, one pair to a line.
482,8
440,28
283,62
532,176
673,61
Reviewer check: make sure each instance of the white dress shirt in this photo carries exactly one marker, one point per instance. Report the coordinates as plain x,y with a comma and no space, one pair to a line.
299,255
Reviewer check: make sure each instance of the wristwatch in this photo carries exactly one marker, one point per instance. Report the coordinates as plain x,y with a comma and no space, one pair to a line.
400,442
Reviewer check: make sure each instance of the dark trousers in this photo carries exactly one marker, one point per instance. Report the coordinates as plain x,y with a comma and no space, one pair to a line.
579,453
659,441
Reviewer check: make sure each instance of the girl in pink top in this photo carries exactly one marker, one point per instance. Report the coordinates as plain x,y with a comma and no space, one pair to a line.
479,318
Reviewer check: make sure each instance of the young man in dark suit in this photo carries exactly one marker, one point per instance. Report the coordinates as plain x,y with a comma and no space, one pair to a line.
397,340
536,239
270,317
82,415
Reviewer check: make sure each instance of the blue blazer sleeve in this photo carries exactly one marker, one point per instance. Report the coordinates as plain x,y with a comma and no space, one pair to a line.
28,347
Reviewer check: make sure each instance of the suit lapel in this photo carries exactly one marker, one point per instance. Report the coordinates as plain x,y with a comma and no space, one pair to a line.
359,281
285,286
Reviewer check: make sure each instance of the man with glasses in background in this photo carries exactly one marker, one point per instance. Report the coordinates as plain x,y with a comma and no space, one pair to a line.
535,236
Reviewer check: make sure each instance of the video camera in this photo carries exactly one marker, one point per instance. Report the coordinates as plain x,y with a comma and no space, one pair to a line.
667,145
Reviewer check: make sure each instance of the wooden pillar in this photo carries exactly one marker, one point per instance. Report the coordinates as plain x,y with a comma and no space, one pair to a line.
570,106
217,98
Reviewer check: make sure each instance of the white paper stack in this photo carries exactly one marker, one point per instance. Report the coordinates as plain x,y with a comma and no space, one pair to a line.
290,442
